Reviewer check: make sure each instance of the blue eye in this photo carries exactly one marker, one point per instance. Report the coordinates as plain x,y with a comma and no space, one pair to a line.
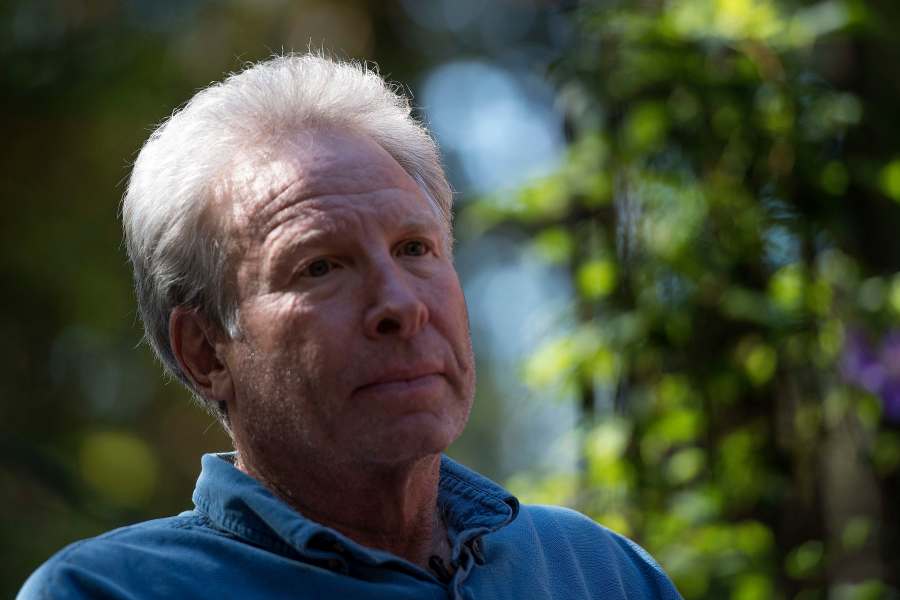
317,268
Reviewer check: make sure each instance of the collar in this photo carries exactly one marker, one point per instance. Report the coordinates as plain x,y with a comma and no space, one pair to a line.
471,504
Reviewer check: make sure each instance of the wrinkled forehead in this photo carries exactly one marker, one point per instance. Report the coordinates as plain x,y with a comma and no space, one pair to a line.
261,182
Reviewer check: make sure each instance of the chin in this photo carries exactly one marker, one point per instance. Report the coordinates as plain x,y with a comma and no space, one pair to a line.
410,441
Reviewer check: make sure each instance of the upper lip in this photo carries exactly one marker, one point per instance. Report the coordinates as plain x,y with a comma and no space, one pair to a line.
401,374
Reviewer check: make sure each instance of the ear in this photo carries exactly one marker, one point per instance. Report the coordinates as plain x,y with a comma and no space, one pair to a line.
194,343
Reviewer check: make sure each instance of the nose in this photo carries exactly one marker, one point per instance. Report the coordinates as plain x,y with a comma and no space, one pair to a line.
396,308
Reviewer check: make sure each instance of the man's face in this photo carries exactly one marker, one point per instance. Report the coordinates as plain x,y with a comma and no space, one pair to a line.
355,341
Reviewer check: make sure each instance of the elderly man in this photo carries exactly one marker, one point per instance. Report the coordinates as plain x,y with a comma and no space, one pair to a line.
290,235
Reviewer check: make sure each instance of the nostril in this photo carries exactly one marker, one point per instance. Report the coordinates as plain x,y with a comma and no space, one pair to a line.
388,325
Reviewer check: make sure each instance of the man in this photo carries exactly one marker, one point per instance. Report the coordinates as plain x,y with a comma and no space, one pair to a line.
290,235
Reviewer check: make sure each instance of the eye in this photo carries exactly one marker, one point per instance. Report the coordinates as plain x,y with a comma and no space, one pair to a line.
413,248
318,268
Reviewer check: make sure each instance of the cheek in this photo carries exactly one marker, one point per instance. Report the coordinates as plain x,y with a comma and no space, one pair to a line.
450,303
451,318
299,340
276,323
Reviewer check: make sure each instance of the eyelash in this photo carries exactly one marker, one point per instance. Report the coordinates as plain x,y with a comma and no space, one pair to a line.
305,271
426,247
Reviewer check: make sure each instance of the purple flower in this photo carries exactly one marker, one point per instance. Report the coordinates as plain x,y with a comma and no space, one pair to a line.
890,352
890,397
877,371
860,364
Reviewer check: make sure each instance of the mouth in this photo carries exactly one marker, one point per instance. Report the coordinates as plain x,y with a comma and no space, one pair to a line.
401,384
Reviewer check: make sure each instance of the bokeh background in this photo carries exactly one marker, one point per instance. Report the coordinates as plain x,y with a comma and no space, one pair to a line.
678,231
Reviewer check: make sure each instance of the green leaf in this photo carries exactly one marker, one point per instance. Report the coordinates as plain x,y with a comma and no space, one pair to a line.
119,466
890,179
805,560
597,278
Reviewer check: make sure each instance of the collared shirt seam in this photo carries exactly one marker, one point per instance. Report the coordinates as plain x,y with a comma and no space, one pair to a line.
480,492
234,528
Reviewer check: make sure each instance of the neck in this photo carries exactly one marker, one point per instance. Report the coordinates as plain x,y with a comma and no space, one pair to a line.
388,507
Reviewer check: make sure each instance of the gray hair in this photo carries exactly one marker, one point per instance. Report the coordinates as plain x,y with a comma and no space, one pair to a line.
179,252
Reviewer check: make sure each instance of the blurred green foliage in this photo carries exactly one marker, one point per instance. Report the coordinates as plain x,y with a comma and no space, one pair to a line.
727,215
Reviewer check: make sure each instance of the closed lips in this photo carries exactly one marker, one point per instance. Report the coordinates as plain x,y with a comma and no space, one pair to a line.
400,381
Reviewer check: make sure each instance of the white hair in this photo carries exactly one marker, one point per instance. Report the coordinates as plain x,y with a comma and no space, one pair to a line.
178,249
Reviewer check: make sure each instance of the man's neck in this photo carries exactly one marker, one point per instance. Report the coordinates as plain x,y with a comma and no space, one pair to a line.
391,508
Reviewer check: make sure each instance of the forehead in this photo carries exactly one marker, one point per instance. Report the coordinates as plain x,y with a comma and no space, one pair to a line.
313,165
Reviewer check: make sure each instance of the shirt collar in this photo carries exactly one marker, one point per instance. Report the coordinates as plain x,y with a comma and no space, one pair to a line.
235,502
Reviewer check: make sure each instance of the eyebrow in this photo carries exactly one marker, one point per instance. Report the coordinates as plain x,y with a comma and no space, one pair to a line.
315,237
305,238
308,238
415,224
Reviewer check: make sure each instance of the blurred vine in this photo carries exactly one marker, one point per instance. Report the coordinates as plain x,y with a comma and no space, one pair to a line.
727,214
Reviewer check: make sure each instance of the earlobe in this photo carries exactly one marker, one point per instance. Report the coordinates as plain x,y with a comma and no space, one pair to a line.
194,343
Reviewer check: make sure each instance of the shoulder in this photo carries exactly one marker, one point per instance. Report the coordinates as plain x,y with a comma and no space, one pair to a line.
103,566
564,536
577,530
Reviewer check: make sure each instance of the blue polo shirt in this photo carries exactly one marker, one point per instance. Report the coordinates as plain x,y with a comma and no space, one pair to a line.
240,541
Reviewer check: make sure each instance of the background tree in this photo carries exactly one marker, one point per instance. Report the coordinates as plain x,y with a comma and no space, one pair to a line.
727,214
